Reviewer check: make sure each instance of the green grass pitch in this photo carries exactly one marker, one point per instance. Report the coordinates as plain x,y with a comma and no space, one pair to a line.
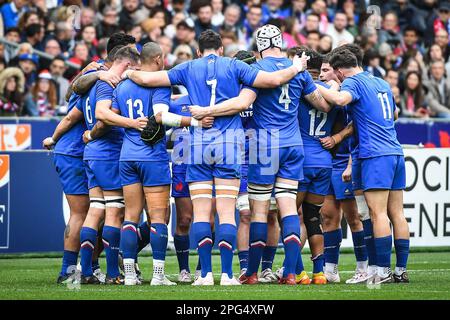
35,278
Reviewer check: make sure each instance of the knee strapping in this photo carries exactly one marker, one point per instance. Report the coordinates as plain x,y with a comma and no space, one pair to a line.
200,190
242,203
225,191
98,203
114,202
312,219
259,192
363,209
285,190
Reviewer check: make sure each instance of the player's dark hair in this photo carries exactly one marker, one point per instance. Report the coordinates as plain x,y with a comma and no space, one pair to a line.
326,58
343,59
353,48
128,53
209,40
245,56
111,55
315,58
119,39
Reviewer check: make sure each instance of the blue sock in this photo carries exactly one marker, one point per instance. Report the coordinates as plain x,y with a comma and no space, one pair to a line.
182,249
129,240
359,246
199,263
291,240
258,238
401,252
111,241
158,240
243,259
383,248
69,259
88,239
227,238
143,232
332,243
370,242
299,266
267,257
318,262
203,237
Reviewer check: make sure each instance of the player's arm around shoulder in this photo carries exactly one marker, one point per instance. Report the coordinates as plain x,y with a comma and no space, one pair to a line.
228,107
335,97
148,78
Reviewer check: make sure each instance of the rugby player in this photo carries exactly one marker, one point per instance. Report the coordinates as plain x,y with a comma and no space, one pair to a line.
341,198
221,78
274,113
101,157
372,105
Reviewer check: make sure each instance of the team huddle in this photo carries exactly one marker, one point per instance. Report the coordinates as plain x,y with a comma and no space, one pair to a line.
293,143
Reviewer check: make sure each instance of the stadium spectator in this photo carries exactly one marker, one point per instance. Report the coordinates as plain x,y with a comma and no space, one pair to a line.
313,40
41,100
326,44
441,39
372,64
127,15
166,45
390,31
338,32
89,37
108,24
319,7
80,54
299,12
412,103
438,87
252,22
57,70
12,86
312,24
204,18
11,12
272,9
392,78
183,53
87,17
34,35
218,18
231,21
28,63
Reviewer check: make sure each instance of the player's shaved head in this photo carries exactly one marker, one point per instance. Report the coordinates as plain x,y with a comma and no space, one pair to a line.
150,51
343,59
353,48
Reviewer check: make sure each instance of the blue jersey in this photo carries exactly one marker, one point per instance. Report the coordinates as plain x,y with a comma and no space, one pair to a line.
246,118
71,143
108,146
211,80
134,101
373,109
276,109
180,136
315,124
340,160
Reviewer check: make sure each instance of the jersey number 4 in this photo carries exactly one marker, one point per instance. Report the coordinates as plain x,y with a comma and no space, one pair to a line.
284,96
136,105
385,105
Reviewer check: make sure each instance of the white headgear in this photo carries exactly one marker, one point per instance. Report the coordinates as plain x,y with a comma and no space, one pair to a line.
268,36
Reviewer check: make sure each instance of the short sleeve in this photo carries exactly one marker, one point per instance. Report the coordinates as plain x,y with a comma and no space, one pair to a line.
245,73
177,75
308,83
161,96
104,91
351,87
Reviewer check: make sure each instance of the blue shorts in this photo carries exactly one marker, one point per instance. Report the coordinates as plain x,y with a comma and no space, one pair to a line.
356,175
384,172
72,174
103,174
148,173
340,189
286,162
244,177
215,161
180,188
316,180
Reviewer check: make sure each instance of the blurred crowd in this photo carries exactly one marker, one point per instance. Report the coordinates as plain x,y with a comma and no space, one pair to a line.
405,42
